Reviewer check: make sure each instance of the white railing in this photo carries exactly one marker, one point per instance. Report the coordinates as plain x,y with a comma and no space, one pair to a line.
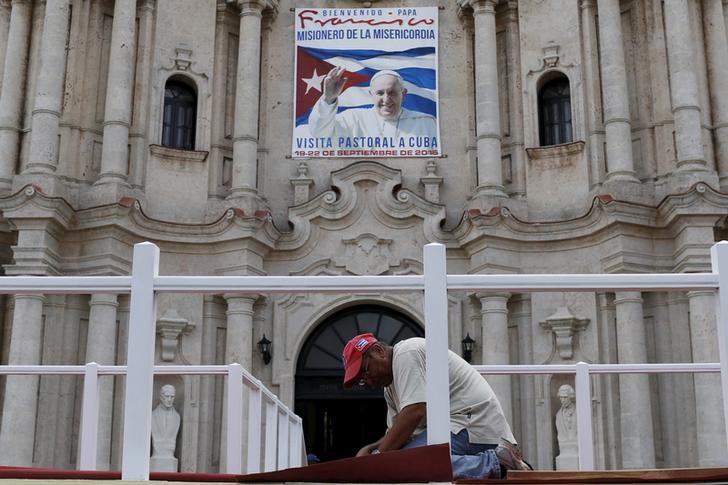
283,446
582,388
145,283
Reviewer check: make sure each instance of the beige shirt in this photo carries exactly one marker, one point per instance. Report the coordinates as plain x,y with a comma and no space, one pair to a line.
473,404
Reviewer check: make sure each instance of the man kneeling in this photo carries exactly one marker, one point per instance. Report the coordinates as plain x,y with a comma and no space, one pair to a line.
482,444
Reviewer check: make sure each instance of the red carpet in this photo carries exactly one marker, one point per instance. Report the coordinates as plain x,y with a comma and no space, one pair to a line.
416,465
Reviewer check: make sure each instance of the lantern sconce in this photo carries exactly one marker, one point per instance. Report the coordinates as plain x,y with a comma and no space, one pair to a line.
467,344
264,345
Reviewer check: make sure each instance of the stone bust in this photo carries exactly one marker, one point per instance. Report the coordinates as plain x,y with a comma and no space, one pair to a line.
165,424
566,429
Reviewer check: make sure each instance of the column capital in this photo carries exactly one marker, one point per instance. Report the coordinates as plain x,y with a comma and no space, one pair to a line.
240,304
627,297
477,5
104,299
256,7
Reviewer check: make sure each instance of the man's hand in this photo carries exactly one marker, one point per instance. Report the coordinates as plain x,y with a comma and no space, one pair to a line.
367,450
334,84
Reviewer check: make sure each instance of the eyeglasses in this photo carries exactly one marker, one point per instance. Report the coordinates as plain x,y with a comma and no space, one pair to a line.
366,371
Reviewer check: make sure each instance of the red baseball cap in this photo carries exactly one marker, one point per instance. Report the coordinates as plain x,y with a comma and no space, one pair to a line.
352,356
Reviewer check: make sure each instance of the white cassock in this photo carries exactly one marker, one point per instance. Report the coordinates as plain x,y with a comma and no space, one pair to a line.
365,122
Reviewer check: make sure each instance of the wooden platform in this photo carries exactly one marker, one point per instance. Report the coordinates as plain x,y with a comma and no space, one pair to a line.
671,475
428,464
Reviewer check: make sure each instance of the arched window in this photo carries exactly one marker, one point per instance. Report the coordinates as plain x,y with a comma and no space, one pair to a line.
180,115
554,112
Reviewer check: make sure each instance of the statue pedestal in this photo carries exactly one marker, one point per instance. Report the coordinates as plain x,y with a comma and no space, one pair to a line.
568,459
163,464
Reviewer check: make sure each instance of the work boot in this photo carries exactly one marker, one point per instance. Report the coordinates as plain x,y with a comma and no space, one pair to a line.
510,457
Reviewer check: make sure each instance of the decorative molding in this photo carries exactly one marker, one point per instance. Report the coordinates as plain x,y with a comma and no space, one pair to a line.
550,59
564,325
302,184
564,150
367,254
358,190
177,155
182,62
169,327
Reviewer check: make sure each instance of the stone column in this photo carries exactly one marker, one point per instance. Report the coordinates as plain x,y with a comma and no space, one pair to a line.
142,88
494,338
595,137
620,165
716,45
43,152
247,93
638,446
487,108
217,122
21,392
239,336
5,12
712,451
238,348
515,96
684,390
101,348
119,87
683,87
13,87
523,318
668,396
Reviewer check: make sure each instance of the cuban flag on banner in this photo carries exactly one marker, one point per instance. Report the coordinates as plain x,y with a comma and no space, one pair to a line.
415,65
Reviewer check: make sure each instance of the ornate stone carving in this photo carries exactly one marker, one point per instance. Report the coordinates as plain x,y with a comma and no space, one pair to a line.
432,182
169,328
564,325
367,255
550,59
301,184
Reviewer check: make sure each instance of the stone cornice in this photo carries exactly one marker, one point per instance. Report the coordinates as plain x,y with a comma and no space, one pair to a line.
700,201
232,225
31,203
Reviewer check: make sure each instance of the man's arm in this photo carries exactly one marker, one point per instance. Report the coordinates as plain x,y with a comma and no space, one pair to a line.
401,430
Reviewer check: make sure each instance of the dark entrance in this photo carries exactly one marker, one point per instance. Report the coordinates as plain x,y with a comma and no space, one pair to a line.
336,423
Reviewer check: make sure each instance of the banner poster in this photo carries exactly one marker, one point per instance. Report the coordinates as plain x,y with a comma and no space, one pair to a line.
366,83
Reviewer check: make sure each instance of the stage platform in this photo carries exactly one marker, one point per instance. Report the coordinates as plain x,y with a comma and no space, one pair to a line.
429,464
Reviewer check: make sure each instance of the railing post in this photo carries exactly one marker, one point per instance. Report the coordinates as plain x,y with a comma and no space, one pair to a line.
283,428
436,322
89,418
140,364
296,439
255,397
234,419
271,436
719,263
584,417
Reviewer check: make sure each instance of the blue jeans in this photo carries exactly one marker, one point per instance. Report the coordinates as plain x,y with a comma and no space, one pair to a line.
469,460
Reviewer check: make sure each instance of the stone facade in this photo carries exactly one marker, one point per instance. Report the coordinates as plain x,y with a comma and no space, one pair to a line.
641,188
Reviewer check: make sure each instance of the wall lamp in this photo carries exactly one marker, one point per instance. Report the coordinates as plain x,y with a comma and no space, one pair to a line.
467,344
264,347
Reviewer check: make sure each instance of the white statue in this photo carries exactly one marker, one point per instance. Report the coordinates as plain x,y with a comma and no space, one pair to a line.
165,426
568,458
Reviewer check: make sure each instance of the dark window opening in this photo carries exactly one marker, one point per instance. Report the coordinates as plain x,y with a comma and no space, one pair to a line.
554,112
180,115
337,422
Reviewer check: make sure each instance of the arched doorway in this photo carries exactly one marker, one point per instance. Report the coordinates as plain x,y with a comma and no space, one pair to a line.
338,422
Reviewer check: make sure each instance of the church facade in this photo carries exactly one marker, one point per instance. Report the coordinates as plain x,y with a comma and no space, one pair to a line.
576,136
